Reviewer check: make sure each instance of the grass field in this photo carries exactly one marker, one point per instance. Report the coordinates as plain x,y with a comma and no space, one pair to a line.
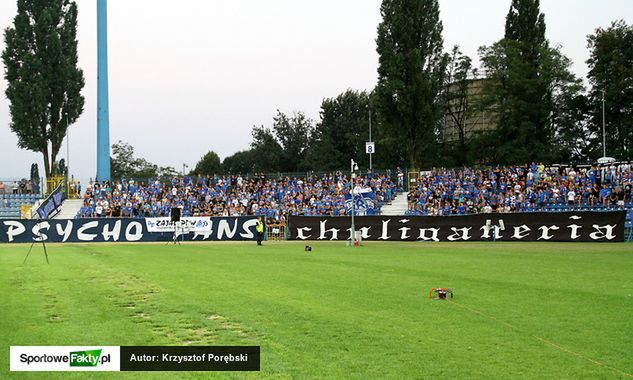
539,310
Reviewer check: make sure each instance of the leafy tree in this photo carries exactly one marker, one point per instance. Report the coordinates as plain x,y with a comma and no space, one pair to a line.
456,101
122,161
514,65
266,150
124,165
341,133
209,164
611,73
44,82
574,137
528,81
165,173
293,133
569,109
145,170
526,24
35,178
242,162
282,148
411,69
35,173
60,167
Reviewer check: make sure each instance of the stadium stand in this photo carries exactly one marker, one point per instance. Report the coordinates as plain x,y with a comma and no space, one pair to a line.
493,189
275,198
14,194
525,188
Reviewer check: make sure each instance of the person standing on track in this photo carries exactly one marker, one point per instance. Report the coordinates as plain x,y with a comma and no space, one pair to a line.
260,230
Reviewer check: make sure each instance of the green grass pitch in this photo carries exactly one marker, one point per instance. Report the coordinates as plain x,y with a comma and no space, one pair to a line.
530,311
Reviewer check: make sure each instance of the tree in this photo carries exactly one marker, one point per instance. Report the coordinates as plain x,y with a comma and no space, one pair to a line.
526,118
266,150
568,109
242,162
527,80
165,173
60,168
575,138
44,82
35,178
456,102
35,173
145,170
411,67
122,161
526,24
341,133
293,133
124,165
611,73
209,164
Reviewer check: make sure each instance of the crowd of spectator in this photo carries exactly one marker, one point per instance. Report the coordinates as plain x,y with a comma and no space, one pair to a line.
22,186
530,187
232,196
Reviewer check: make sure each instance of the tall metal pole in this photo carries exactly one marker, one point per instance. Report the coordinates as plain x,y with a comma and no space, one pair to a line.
604,135
103,109
353,205
370,154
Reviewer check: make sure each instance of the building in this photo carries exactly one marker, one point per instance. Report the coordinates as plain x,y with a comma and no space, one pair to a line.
467,112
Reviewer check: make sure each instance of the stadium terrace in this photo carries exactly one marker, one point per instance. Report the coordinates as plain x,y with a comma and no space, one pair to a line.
463,191
524,188
232,196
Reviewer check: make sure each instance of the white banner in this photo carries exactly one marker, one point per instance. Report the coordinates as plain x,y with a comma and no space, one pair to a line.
186,224
65,358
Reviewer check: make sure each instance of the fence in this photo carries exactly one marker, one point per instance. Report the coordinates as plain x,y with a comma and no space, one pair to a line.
53,182
19,186
73,189
275,232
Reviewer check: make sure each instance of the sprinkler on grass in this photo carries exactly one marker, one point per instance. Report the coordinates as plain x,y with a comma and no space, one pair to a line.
440,293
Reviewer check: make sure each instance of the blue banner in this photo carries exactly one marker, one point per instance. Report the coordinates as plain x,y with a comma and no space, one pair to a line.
364,203
51,204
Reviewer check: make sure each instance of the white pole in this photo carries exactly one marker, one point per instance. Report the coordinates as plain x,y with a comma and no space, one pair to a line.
353,206
604,136
370,154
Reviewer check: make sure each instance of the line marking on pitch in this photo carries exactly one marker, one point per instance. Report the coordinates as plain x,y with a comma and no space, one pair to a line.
545,341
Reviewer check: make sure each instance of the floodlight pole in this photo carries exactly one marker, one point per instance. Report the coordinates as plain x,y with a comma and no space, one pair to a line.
103,110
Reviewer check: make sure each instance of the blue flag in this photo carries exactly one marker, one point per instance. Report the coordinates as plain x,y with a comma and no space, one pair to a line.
364,203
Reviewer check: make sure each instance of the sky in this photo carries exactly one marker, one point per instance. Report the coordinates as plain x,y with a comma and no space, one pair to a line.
191,76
